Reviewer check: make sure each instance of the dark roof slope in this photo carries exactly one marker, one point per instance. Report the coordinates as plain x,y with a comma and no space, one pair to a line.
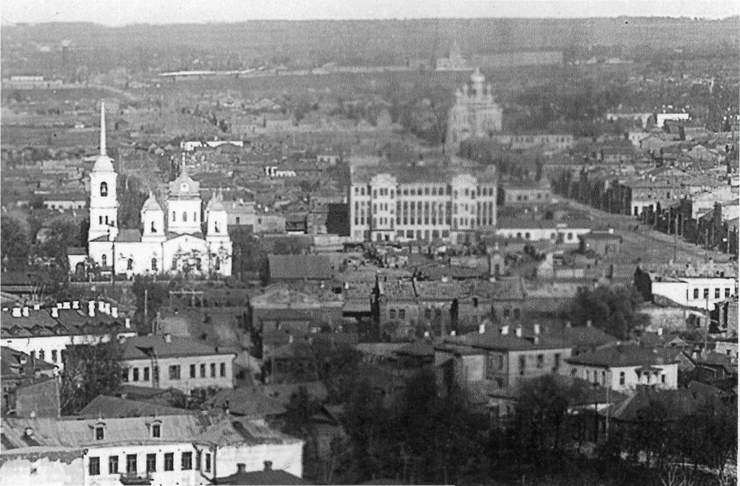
104,406
269,477
138,347
623,355
291,267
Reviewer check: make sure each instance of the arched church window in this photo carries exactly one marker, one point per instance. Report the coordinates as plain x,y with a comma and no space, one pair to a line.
104,260
103,189
215,226
100,219
218,263
184,217
195,216
173,217
154,264
153,229
197,264
130,264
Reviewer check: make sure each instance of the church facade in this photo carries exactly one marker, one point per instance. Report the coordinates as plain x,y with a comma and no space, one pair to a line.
475,113
176,236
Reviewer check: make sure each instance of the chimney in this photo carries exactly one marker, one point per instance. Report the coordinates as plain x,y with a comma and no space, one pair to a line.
101,306
505,330
106,308
75,304
519,331
290,339
16,311
66,305
568,325
241,467
589,323
25,311
59,305
537,329
453,333
268,465
168,338
121,339
36,307
482,329
54,312
114,312
127,323
91,308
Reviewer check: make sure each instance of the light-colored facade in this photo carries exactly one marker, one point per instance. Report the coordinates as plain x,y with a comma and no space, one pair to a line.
175,362
45,333
186,450
555,231
624,368
698,292
171,242
474,114
423,203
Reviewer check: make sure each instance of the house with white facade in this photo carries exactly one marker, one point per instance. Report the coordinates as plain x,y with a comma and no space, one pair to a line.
44,333
623,367
175,362
701,292
184,449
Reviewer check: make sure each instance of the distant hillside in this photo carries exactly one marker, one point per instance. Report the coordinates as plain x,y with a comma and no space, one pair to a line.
367,42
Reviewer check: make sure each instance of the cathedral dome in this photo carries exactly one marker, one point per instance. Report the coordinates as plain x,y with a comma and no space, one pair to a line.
477,77
151,204
103,163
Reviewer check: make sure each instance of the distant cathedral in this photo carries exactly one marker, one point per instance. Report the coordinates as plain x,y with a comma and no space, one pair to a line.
168,242
475,113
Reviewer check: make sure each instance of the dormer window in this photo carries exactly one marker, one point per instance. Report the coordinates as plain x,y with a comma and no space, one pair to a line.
99,432
156,431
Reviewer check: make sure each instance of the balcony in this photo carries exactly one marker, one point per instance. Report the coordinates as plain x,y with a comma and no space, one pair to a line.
136,478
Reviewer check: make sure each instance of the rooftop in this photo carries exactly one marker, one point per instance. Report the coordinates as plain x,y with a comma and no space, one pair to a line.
167,346
620,355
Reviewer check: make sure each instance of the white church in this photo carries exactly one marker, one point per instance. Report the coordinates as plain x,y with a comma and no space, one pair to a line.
171,239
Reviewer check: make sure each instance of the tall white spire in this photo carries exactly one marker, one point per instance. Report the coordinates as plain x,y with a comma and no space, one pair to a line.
102,129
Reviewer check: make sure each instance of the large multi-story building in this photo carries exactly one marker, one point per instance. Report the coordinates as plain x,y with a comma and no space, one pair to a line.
475,113
421,203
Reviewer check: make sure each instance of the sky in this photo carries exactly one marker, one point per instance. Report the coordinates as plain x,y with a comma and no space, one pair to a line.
122,12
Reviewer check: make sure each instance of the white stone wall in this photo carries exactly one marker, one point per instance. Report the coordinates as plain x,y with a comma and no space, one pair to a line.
186,382
17,470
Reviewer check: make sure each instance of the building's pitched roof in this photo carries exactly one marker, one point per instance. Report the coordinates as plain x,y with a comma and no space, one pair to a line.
249,402
290,267
104,406
69,322
138,347
623,355
269,477
494,340
674,404
16,364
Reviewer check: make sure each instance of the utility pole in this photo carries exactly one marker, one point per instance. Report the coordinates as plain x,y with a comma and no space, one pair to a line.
146,310
675,239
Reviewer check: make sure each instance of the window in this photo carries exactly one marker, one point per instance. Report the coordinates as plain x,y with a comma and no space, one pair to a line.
696,293
169,461
238,220
42,354
130,264
557,361
392,313
213,370
136,374
222,370
621,378
570,236
151,463
202,371
540,360
197,460
727,291
124,375
146,373
186,461
131,463
706,293
113,465
184,217
573,372
104,260
402,313
662,378
103,189
153,228
174,218
154,264
94,466
716,294
507,312
603,377
54,355
156,431
522,364
192,371
99,432
208,462
174,372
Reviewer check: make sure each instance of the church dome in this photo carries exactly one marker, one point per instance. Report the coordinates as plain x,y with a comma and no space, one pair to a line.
477,77
151,204
103,163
